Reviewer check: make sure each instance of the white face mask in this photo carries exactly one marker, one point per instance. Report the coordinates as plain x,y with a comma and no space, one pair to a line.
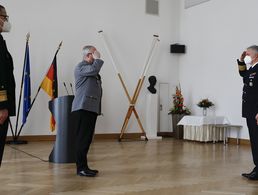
248,60
6,27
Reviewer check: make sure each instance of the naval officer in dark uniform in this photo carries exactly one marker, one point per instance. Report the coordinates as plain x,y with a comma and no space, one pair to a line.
250,101
7,83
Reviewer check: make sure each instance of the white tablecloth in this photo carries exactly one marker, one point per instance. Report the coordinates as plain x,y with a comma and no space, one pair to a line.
202,128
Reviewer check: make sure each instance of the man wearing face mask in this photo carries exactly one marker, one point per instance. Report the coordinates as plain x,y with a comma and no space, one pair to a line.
7,82
250,101
86,106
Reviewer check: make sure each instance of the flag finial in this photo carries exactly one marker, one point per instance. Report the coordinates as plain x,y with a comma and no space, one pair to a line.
28,37
60,45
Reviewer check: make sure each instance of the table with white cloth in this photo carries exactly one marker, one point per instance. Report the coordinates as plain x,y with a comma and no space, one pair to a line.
204,128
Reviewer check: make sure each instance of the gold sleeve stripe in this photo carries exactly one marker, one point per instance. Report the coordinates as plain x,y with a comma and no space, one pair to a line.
242,68
3,96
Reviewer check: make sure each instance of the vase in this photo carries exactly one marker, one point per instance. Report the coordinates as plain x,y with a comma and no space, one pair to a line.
177,129
204,111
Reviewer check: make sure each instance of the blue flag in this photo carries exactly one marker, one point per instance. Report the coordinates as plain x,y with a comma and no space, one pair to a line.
27,87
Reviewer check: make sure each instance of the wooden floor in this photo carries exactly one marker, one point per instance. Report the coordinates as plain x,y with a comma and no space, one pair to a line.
154,168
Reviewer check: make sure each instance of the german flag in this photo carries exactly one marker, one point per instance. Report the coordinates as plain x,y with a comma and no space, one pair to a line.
50,86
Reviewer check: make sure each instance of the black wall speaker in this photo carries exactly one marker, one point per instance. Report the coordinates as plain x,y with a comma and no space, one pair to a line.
177,48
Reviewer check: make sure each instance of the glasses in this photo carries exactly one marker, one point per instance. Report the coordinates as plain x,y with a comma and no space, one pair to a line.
5,17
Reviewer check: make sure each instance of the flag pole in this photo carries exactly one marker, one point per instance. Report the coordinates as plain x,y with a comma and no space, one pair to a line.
59,47
18,135
11,127
19,104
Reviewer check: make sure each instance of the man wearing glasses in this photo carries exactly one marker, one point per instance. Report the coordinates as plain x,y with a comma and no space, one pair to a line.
7,82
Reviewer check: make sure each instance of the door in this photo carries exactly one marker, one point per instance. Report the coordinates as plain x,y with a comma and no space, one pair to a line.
164,106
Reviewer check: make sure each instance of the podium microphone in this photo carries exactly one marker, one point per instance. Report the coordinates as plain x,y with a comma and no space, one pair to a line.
66,88
71,88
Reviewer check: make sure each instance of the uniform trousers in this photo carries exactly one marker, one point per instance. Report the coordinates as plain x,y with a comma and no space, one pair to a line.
253,133
3,133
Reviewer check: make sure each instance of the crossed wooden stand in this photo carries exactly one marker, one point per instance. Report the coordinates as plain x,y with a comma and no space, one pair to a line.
132,100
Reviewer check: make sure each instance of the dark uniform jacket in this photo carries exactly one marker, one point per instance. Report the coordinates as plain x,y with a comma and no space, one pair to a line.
250,90
7,82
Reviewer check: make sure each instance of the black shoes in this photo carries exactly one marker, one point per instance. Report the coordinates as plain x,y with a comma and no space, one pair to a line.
246,175
94,171
252,176
87,173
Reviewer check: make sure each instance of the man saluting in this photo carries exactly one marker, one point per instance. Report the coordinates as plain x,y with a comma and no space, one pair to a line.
250,101
86,106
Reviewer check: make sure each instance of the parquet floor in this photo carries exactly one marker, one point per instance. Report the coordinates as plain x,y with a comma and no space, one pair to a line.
155,167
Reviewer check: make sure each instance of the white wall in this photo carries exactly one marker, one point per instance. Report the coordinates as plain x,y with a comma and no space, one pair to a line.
129,31
216,33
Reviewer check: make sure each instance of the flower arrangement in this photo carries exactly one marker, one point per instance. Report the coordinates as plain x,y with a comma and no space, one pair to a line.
205,103
178,101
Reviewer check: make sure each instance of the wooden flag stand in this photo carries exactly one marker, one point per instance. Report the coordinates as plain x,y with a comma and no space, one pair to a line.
133,100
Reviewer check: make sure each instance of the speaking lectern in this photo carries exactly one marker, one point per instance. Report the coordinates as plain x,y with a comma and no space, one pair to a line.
64,147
